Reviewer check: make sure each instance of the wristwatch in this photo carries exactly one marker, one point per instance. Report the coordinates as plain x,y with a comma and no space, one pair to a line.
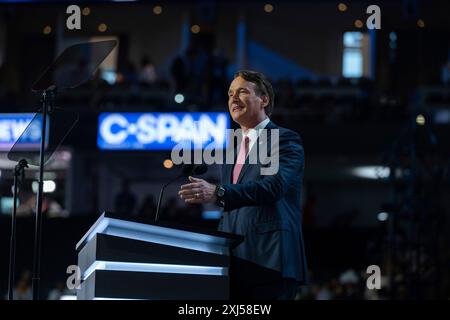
220,192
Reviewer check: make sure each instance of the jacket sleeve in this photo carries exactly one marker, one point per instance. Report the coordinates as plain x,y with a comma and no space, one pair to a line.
272,187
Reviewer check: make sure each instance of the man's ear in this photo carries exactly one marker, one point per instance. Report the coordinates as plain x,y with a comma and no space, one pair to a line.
265,101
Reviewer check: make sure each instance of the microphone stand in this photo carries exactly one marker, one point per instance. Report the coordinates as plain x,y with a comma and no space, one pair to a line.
48,97
19,170
91,54
162,192
187,170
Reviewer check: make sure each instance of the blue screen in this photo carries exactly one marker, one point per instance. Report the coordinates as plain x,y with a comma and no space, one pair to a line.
162,131
12,125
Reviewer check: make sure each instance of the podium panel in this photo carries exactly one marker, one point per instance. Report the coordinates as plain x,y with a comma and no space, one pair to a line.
125,259
103,284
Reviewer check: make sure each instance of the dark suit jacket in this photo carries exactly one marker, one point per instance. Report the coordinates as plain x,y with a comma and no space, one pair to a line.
266,209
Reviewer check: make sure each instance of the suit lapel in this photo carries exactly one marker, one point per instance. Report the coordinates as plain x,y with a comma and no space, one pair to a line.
254,153
228,168
227,173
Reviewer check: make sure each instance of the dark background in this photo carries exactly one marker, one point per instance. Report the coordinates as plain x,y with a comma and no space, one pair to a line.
345,123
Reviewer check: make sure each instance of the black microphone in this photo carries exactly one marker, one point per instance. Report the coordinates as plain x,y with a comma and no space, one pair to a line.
186,170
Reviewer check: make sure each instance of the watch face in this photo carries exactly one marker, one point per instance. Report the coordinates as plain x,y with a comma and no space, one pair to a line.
220,192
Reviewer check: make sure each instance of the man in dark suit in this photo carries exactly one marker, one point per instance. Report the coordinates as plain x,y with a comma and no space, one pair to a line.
264,208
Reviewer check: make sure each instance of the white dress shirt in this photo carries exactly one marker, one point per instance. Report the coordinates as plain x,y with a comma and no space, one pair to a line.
254,133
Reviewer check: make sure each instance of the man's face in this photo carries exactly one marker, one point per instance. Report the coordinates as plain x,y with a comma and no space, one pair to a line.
245,106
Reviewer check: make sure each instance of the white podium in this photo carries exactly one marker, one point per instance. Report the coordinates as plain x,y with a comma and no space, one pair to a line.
127,259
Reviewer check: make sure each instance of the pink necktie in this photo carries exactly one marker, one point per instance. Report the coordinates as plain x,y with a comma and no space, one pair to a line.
243,152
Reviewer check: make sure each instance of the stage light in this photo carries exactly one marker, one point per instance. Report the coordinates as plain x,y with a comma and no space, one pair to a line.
268,8
157,9
421,23
102,27
195,28
179,98
86,11
342,7
383,216
420,120
168,164
49,186
371,172
359,24
47,30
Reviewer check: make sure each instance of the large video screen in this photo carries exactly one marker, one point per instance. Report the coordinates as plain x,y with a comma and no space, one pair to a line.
12,125
162,131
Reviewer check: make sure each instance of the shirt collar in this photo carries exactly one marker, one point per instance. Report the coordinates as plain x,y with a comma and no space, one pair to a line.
253,133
